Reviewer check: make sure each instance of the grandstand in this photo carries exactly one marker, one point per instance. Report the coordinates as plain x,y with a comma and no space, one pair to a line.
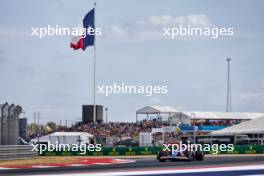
164,123
187,120
253,129
212,121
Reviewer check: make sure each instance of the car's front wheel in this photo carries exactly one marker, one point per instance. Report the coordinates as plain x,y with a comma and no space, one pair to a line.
160,155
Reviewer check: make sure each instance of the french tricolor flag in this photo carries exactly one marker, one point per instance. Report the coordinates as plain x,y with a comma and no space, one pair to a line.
82,42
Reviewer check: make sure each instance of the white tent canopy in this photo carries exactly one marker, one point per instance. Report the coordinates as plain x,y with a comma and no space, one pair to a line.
199,115
255,126
156,110
65,137
223,115
44,138
71,134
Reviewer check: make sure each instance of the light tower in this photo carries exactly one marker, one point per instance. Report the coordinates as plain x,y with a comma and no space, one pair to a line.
229,92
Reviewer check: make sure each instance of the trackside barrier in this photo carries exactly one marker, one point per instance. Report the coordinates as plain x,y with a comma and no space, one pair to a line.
246,149
108,151
117,151
8,152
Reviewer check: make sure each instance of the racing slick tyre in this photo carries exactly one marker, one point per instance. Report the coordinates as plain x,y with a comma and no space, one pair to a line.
190,156
199,156
161,154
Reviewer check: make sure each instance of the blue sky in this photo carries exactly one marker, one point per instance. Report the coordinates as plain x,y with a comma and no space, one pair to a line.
46,75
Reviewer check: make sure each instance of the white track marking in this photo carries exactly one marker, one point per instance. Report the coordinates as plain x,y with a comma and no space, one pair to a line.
103,163
124,161
5,168
73,165
253,175
43,166
171,171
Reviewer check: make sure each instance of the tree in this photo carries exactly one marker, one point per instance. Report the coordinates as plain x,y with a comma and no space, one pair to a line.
51,125
32,128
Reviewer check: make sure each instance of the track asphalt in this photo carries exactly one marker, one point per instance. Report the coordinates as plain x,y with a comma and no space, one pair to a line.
151,164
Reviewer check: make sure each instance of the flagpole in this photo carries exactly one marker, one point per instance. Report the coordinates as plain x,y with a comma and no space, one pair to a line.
94,74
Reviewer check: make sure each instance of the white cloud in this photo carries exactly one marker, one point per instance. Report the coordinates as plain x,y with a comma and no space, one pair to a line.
14,32
156,100
2,58
151,27
115,31
262,85
53,110
200,20
181,108
196,86
250,96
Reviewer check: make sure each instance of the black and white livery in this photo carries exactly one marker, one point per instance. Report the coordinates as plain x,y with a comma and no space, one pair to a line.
164,155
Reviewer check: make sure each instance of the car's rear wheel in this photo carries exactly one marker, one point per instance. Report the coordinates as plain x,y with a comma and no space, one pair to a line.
190,156
160,155
199,156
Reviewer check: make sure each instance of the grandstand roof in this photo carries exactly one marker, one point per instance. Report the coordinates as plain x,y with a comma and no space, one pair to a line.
156,110
223,115
70,134
254,126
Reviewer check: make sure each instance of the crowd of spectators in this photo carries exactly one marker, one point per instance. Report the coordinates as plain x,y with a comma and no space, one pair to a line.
215,122
117,129
130,130
168,137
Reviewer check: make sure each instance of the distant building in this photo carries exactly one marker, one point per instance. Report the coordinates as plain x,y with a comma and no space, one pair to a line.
88,112
9,124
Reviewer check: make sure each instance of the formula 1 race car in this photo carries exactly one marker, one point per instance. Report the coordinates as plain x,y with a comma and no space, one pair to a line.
180,155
